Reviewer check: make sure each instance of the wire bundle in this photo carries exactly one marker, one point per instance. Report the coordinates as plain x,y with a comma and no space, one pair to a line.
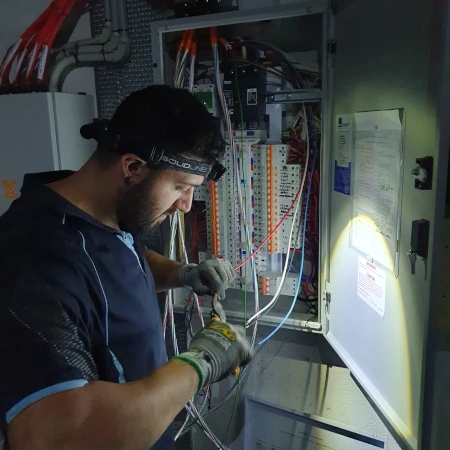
32,52
303,141
187,49
297,152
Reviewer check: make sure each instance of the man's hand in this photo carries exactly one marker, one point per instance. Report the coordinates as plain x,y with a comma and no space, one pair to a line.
216,351
210,277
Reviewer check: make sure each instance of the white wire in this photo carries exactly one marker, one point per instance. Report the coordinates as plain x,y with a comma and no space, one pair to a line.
173,228
231,138
299,202
238,182
186,260
192,74
179,79
177,66
190,407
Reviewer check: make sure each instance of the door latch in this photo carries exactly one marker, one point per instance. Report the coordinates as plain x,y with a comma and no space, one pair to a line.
420,235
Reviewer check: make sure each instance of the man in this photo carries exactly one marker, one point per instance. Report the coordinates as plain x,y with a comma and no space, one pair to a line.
82,357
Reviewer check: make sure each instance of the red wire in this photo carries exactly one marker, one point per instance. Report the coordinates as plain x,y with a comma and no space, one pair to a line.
41,61
21,43
272,232
33,48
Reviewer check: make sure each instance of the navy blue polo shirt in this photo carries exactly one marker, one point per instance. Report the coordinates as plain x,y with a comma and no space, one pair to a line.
77,302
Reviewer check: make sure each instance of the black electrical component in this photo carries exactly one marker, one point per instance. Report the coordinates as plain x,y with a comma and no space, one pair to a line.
244,88
423,173
420,235
189,8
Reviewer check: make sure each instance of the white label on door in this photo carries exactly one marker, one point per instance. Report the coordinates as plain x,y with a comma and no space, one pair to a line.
372,285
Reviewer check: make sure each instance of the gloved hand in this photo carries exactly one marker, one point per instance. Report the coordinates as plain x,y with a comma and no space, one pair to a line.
216,351
210,277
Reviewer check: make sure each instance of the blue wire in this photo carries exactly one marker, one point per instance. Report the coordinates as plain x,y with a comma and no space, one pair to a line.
299,282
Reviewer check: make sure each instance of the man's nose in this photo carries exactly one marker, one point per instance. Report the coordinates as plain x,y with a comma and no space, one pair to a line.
184,203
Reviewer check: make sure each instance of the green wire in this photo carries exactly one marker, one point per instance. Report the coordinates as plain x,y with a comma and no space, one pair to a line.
246,243
245,188
234,410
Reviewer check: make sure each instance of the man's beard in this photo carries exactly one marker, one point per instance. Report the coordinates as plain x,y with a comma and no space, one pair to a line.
136,211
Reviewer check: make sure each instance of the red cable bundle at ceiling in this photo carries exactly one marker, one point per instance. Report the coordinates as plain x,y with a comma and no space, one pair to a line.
17,48
32,51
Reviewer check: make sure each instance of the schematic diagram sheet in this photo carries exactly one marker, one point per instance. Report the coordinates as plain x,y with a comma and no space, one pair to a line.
378,157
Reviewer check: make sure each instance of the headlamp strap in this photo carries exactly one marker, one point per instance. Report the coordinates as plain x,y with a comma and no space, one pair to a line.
176,162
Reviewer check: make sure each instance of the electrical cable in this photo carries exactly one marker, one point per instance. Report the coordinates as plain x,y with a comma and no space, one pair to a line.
18,47
220,93
273,70
226,116
193,55
40,65
252,255
276,50
303,246
253,265
242,203
277,294
191,408
37,47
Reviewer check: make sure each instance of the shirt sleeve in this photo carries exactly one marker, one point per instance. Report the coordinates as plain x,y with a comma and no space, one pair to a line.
44,338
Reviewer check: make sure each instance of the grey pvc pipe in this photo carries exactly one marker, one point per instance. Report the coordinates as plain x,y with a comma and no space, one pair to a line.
123,14
114,15
107,7
102,38
121,54
116,50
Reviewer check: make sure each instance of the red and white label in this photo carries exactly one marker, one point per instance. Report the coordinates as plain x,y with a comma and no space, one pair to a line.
372,285
42,63
19,62
11,53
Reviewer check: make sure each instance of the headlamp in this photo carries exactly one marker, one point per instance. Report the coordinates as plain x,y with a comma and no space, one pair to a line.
98,130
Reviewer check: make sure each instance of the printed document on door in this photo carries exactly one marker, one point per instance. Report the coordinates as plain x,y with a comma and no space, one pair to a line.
377,185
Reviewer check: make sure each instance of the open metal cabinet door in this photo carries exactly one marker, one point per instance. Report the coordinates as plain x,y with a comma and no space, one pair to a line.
385,61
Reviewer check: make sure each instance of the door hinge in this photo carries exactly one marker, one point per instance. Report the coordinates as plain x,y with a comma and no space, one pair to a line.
327,297
332,47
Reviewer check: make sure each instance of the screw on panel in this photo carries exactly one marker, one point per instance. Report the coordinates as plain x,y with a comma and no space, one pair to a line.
309,10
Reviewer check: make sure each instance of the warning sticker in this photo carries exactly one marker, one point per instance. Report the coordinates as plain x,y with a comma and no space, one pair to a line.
252,96
229,98
372,285
10,189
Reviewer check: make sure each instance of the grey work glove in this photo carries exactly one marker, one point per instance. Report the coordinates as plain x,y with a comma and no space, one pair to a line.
210,277
217,351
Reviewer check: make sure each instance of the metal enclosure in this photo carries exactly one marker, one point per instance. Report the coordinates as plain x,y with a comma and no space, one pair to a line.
316,13
39,133
385,59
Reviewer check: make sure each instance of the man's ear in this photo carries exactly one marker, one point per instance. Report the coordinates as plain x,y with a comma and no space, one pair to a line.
134,168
